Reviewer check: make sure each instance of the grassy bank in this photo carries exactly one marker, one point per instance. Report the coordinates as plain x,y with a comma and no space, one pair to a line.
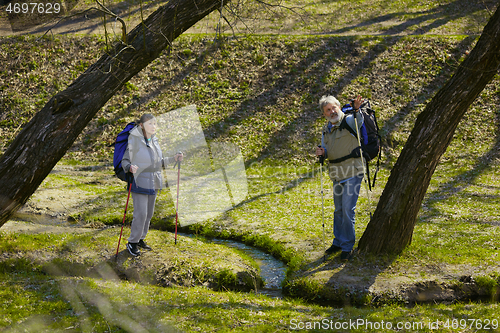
261,93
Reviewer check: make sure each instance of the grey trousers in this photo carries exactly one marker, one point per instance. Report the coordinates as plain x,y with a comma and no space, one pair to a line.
144,207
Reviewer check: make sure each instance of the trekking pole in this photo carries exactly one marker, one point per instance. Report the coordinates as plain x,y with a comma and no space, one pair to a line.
321,160
363,162
178,164
123,222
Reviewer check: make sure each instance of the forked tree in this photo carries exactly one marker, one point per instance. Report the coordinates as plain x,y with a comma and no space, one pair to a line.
391,228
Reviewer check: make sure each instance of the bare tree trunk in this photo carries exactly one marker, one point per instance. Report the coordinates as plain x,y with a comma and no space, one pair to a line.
391,227
52,131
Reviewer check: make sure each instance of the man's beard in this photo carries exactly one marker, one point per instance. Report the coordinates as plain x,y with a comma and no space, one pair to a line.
337,118
334,119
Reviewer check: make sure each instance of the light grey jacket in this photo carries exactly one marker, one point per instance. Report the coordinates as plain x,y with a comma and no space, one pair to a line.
148,157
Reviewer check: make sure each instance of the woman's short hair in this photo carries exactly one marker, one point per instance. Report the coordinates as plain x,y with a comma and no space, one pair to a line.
145,118
324,100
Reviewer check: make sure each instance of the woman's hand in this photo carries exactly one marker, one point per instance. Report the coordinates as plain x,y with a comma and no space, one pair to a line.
179,157
134,168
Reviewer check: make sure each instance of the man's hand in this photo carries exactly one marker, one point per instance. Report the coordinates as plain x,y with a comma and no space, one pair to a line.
320,151
357,102
134,168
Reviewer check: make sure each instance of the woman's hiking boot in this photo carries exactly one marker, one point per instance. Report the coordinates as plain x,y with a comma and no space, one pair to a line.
133,249
142,244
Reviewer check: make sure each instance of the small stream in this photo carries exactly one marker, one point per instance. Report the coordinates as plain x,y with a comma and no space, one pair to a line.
272,270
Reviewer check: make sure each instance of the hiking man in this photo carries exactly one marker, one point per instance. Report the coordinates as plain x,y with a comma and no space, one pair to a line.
346,173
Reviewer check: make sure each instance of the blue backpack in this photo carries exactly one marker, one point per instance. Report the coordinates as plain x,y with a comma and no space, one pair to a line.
120,145
369,133
369,137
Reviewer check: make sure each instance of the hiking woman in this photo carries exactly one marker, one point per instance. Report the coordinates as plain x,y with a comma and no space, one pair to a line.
144,159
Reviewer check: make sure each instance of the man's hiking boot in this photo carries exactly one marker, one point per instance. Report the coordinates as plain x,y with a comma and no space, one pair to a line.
132,248
333,249
345,256
142,244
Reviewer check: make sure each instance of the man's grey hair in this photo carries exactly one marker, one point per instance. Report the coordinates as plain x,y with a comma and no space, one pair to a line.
324,100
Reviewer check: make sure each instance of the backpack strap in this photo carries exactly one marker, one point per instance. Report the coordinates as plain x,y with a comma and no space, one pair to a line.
344,124
378,166
380,149
356,152
368,174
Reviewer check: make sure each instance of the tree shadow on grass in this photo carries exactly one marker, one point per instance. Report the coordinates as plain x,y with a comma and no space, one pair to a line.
78,22
301,74
391,124
177,79
281,142
424,21
305,116
459,183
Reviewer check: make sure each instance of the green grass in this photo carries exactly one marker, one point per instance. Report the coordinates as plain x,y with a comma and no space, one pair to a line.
282,216
32,300
261,92
241,101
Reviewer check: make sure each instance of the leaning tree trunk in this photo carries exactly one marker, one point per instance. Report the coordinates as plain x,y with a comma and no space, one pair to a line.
391,228
52,131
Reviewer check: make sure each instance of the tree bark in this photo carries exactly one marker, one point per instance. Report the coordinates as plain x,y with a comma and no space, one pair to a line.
52,131
391,228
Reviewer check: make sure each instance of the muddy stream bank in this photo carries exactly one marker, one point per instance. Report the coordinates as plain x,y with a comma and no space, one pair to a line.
271,271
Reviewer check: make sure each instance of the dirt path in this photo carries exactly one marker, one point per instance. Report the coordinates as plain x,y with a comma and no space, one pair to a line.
34,228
